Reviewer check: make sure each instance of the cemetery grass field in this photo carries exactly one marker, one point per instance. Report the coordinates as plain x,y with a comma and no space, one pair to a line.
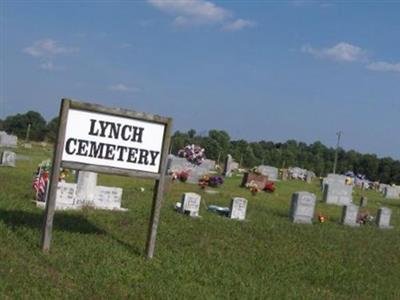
100,254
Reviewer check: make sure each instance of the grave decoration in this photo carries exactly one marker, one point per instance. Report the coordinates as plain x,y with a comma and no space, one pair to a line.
254,178
180,175
253,187
193,153
212,181
41,179
364,218
270,187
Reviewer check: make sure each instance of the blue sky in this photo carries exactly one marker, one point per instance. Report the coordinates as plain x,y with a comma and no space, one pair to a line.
272,70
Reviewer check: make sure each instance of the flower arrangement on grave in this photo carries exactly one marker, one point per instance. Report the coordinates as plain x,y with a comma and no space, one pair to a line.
181,175
41,179
364,218
193,153
322,218
253,187
270,187
213,181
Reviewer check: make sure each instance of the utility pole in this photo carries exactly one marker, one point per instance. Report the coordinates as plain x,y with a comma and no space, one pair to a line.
339,134
28,130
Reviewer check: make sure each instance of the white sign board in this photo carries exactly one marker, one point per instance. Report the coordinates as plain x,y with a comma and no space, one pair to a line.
106,140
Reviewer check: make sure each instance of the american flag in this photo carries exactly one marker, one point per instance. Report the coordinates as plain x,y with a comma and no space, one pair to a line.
39,185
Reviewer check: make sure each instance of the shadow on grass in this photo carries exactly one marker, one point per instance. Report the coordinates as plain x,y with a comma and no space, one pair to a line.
62,222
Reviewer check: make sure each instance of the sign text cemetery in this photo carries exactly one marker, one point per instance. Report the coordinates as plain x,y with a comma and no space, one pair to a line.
114,141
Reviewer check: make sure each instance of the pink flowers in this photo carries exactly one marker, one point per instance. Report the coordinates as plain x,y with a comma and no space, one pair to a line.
193,153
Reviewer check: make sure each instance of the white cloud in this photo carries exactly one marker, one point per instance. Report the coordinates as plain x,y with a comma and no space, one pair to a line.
199,12
340,52
238,24
47,48
48,65
384,67
122,88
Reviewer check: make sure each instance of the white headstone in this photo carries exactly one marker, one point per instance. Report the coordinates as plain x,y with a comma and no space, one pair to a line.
228,167
302,207
190,204
349,215
7,140
108,198
238,208
65,197
8,159
270,172
392,192
383,218
86,187
338,193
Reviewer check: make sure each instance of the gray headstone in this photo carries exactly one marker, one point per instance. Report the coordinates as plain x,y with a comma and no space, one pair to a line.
190,204
271,172
392,192
309,177
7,140
86,187
349,215
382,187
8,159
338,193
108,198
302,207
238,208
179,164
363,201
383,218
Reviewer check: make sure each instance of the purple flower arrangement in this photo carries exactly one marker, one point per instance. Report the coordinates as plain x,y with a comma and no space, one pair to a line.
193,153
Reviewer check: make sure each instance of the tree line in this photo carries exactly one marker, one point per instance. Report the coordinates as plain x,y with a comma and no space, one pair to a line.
218,144
316,156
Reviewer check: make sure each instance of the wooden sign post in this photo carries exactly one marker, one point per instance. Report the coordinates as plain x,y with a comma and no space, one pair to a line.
113,141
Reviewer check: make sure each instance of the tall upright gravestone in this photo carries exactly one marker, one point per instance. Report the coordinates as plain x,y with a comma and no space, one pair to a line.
86,187
349,215
228,166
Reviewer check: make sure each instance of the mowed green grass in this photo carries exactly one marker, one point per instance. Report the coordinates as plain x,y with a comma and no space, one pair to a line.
100,254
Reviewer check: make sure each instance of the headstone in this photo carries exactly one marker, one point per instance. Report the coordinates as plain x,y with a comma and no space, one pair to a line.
392,192
383,218
179,164
86,187
338,193
7,140
228,167
190,204
28,146
382,187
238,208
8,159
284,174
65,198
108,198
309,177
270,172
302,207
349,215
259,180
363,201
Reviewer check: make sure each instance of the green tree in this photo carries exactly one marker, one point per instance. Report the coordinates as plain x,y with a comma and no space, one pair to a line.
18,125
